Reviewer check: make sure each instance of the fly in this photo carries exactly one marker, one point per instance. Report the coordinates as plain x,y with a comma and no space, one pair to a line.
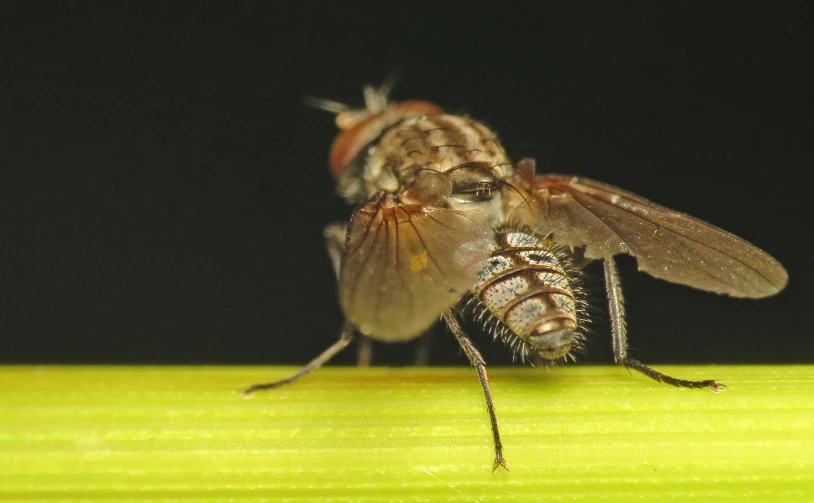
442,213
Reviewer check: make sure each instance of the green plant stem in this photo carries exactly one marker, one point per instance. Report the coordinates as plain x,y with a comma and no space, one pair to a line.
409,435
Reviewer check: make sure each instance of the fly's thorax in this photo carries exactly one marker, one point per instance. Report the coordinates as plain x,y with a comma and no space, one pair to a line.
438,143
442,160
525,284
441,143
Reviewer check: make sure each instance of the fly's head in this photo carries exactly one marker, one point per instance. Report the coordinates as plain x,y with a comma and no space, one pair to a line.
358,138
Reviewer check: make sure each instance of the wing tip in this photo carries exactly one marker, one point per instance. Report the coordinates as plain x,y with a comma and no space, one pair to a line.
778,282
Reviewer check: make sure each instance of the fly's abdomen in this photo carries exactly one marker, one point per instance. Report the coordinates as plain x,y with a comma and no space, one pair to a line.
526,286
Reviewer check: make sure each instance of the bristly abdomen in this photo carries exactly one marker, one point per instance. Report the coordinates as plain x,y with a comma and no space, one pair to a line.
526,286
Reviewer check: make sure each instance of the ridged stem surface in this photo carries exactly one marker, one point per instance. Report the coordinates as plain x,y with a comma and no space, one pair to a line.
576,433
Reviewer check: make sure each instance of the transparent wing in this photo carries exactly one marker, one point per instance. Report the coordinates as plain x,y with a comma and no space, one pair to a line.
404,265
667,244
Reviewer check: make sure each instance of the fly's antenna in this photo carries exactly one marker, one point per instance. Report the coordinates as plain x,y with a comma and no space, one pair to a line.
346,116
377,100
332,106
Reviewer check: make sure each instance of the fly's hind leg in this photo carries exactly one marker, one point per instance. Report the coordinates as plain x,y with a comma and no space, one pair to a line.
335,242
616,310
479,363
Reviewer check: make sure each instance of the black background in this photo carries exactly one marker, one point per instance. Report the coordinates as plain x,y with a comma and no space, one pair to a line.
163,189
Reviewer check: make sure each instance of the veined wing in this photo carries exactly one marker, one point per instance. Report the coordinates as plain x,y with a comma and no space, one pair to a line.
667,244
405,264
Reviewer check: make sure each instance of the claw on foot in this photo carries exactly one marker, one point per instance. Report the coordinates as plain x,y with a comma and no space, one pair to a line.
499,461
251,390
717,387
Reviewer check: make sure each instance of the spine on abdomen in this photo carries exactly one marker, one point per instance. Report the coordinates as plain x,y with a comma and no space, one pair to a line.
524,284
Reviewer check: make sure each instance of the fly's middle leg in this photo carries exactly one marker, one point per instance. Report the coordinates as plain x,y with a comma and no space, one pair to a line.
479,363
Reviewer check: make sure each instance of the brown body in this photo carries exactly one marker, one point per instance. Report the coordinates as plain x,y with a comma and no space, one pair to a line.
443,213
437,194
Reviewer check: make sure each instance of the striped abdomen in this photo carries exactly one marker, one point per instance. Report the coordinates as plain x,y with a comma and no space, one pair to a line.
526,286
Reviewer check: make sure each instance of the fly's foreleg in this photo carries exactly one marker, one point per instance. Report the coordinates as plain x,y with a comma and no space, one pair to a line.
344,339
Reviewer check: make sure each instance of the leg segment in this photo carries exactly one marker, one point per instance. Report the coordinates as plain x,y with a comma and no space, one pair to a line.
478,362
616,310
344,339
423,350
365,353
